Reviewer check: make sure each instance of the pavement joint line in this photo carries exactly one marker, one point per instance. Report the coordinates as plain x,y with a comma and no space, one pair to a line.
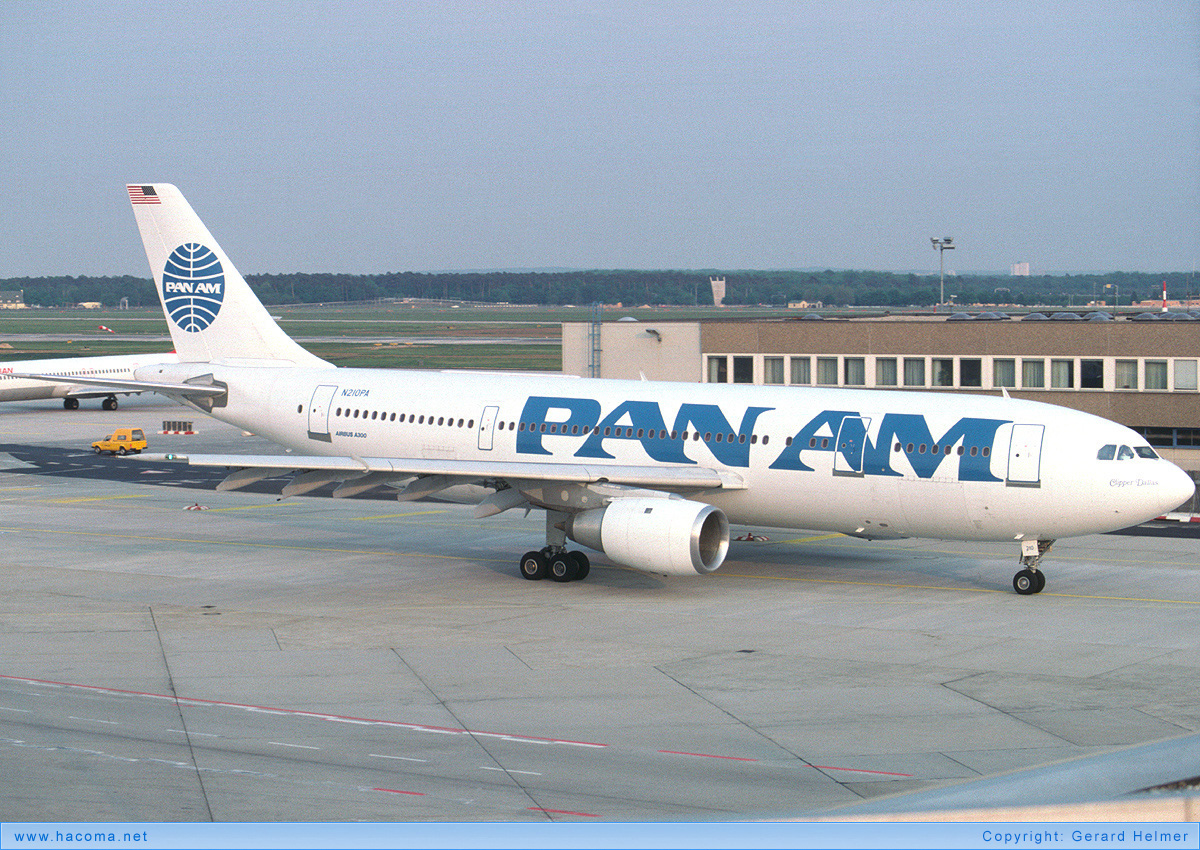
952,589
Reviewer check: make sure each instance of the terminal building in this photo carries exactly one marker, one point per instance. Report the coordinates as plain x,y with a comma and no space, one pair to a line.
1142,374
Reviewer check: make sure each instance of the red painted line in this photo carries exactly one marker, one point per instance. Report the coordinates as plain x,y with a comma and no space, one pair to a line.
561,812
705,755
395,791
291,712
856,770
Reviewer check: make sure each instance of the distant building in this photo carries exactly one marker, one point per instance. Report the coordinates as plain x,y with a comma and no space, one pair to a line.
90,305
1020,269
13,300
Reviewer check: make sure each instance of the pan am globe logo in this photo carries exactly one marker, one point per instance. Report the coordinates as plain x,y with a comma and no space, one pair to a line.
193,286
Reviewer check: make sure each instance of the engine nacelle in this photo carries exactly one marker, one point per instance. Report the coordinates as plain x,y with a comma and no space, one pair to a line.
669,536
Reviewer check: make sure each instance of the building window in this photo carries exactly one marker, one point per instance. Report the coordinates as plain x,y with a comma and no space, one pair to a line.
801,370
1185,374
1091,374
1004,372
1156,374
772,370
827,371
855,369
1033,373
885,371
1062,374
970,372
914,371
743,370
718,370
943,372
1127,375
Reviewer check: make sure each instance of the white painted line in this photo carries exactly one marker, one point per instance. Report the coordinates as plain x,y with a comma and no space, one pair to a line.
94,720
399,758
297,746
18,710
194,734
502,770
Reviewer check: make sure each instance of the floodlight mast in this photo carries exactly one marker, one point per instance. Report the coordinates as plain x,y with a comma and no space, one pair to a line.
946,243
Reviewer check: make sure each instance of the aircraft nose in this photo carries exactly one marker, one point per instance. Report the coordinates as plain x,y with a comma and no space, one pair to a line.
1177,489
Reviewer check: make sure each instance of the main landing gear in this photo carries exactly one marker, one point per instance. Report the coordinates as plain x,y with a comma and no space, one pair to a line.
1031,580
559,565
70,404
110,403
554,561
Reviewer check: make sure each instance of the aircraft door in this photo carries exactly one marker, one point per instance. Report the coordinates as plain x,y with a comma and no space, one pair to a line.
487,423
851,443
1025,456
318,413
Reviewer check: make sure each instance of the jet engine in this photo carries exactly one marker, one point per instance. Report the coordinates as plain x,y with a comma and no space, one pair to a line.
668,536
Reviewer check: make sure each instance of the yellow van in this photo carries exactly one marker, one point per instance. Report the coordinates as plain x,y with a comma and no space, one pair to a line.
121,441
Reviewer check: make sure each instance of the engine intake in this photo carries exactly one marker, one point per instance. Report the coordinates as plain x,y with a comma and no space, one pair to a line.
668,536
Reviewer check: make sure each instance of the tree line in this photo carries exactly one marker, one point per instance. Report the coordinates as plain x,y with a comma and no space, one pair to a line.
633,287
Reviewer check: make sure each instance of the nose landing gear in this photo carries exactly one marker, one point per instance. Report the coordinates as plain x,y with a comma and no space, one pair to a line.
1031,579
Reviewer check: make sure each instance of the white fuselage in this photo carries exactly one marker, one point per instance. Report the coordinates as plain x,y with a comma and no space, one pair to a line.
873,463
117,367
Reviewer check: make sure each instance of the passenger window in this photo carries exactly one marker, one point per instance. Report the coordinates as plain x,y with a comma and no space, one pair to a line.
1106,452
1125,453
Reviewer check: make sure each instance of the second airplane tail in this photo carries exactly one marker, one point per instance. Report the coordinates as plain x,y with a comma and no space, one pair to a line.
213,314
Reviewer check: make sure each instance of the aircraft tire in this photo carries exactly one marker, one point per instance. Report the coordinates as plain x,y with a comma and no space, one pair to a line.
70,404
110,403
534,566
582,565
1025,582
563,567
1041,581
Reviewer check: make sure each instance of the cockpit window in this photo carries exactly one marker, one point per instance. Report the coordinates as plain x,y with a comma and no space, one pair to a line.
1111,451
1106,452
1146,452
1125,453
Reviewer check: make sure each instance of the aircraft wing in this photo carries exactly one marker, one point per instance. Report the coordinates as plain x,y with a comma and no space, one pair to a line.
174,390
426,476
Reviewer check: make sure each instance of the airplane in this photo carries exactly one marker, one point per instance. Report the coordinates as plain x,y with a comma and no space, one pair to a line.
117,366
649,473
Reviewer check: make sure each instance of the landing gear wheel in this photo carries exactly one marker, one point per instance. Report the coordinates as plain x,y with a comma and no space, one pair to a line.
582,565
1026,582
563,567
534,566
110,403
1041,581
70,404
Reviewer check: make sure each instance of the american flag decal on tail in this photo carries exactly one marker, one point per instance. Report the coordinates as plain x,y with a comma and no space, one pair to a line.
143,195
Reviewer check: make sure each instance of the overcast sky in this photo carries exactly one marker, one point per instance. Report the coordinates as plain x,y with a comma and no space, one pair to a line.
369,137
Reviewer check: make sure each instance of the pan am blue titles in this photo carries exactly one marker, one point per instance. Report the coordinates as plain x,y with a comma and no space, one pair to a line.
637,470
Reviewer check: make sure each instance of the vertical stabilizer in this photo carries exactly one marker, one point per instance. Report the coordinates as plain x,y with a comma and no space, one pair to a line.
213,314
